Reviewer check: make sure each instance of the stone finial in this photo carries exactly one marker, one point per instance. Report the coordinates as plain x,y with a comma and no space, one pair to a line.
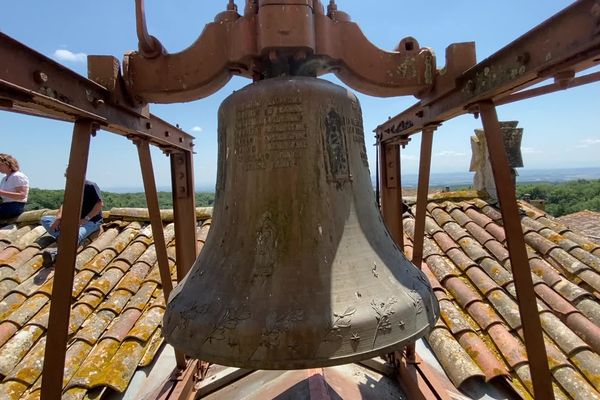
480,160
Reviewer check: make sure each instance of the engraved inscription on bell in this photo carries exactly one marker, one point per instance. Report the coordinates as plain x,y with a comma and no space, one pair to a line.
270,135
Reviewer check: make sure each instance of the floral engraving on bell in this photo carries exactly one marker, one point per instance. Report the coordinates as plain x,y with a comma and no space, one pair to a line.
384,313
277,326
416,300
228,321
336,150
343,321
266,243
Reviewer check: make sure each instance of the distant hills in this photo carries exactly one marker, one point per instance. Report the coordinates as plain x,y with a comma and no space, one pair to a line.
451,179
525,175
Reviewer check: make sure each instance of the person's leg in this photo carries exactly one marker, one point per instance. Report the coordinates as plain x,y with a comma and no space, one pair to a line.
87,229
47,221
11,209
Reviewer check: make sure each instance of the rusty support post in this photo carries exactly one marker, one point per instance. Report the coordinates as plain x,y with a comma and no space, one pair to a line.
391,190
184,210
532,328
60,306
422,192
156,223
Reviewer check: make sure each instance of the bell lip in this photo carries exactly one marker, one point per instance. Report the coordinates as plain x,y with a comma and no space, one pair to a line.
313,363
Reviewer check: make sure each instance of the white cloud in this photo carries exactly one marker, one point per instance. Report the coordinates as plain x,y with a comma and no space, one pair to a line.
66,55
197,129
590,141
585,143
449,153
530,150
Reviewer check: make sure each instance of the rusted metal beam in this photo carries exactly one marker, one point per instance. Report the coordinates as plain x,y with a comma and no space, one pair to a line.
530,319
391,191
554,87
184,388
542,53
156,224
35,84
184,211
422,193
60,306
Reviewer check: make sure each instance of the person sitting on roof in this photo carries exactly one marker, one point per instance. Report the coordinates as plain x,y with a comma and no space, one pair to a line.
90,220
14,187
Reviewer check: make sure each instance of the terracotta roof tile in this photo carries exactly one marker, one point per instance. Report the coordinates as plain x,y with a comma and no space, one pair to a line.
119,371
147,324
134,277
445,242
81,281
100,261
94,363
8,233
491,365
478,296
7,254
94,326
130,254
30,367
79,313
576,385
10,303
28,309
590,309
148,257
152,348
28,239
120,326
16,347
41,318
107,281
116,301
585,224
12,390
141,298
7,330
456,361
460,259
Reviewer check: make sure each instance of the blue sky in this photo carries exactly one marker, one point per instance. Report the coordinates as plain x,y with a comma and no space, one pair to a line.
560,130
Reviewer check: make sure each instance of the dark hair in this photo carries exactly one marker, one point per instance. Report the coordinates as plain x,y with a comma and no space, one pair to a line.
9,161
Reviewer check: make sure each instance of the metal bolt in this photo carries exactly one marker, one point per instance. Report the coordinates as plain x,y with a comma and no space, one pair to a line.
148,125
40,77
471,85
97,102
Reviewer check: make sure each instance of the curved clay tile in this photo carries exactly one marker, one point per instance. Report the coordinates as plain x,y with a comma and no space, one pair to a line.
17,347
28,309
142,297
457,363
94,327
96,359
30,367
154,345
120,369
116,302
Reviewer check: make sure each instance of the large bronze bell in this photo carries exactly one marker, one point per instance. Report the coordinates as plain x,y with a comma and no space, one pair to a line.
298,269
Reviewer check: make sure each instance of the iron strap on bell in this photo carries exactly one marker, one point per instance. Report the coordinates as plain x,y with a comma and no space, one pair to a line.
298,269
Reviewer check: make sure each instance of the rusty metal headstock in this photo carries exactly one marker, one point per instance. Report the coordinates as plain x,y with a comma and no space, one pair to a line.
274,38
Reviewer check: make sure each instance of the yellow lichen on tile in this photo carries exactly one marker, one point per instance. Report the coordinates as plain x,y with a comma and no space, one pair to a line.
118,372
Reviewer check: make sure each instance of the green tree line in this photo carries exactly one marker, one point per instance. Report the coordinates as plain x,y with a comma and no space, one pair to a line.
52,199
560,198
566,197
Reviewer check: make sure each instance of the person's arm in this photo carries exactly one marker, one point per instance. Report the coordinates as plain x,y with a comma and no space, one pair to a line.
93,212
56,222
19,194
